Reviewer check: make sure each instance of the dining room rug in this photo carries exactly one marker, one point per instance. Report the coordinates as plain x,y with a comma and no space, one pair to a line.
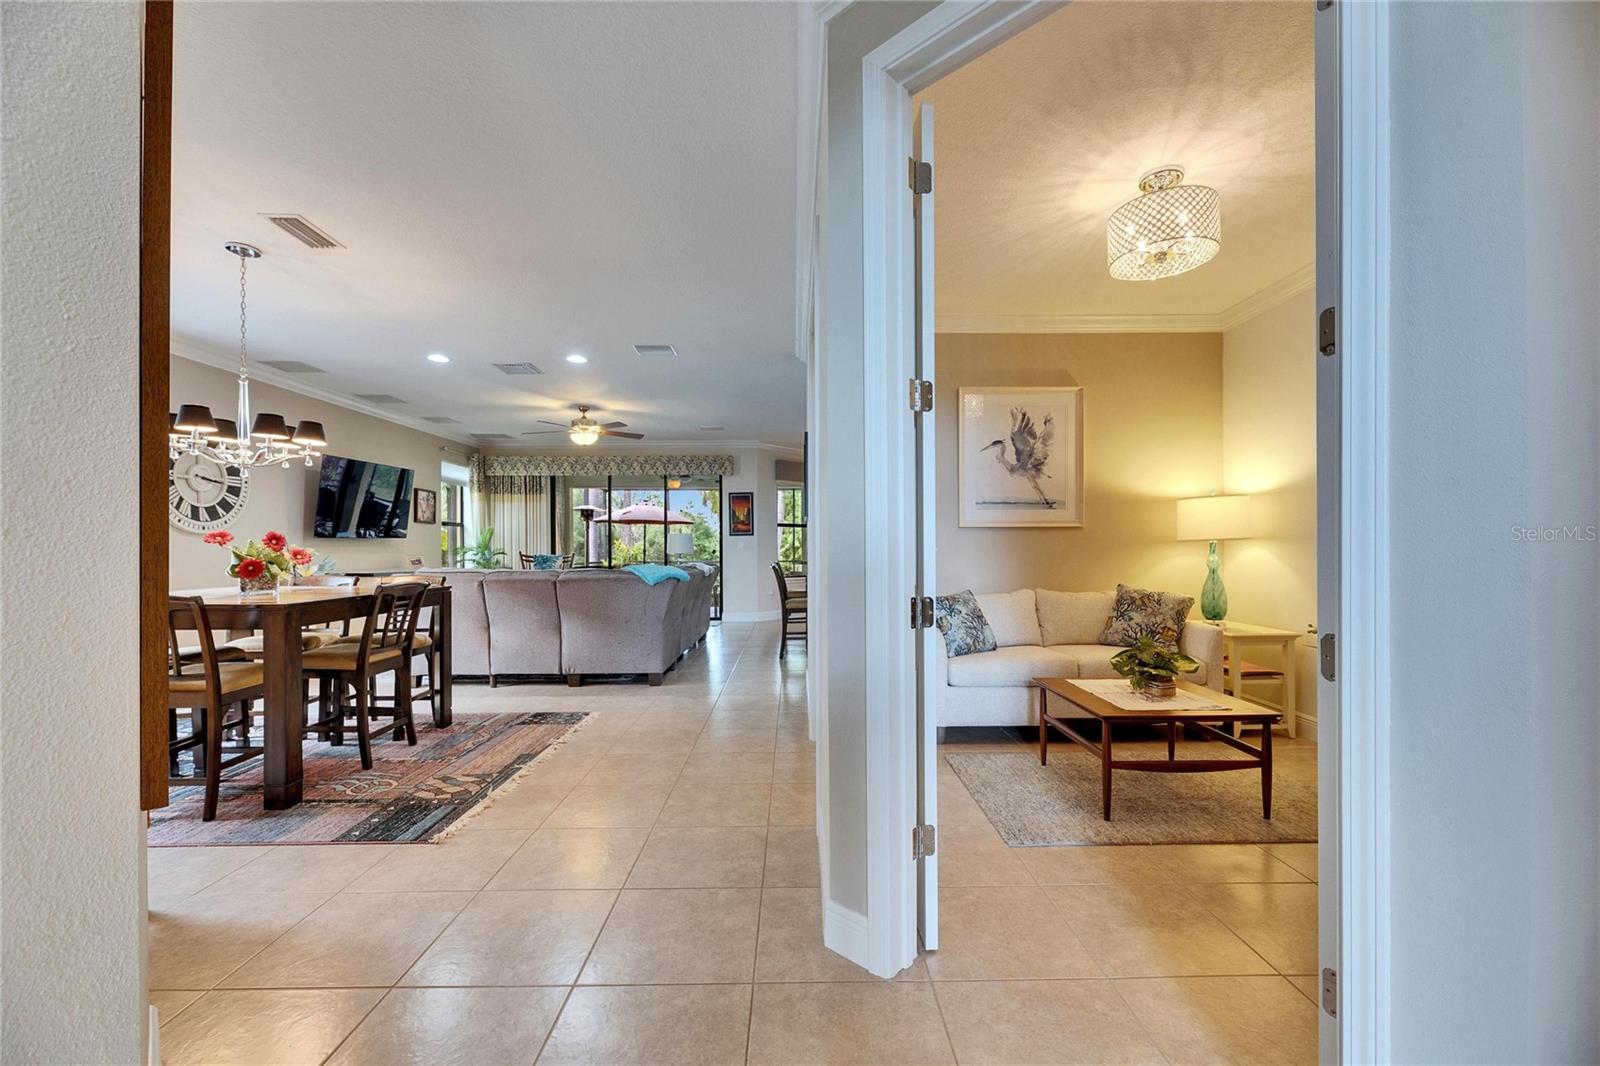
412,795
1037,806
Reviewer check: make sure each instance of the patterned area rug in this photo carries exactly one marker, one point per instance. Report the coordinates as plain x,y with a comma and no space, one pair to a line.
410,796
1035,806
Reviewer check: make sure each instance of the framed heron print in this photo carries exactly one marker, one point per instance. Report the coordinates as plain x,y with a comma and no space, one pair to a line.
1021,457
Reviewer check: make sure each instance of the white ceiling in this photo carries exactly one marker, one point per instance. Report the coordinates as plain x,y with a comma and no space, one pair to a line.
511,182
1038,141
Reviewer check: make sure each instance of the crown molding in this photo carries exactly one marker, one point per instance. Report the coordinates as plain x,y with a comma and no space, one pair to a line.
291,383
1265,299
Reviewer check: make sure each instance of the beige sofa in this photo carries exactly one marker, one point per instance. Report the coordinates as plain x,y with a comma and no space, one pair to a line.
574,623
1041,633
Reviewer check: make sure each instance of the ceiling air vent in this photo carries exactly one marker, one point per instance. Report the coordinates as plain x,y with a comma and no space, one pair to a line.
303,231
378,397
491,436
291,366
517,368
441,420
713,429
655,351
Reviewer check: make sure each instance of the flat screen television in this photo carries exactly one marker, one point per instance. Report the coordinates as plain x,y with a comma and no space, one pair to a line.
356,498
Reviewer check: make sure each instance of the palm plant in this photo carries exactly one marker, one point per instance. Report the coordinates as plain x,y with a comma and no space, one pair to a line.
481,553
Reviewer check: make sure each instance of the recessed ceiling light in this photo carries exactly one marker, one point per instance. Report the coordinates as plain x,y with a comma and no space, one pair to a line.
438,357
577,359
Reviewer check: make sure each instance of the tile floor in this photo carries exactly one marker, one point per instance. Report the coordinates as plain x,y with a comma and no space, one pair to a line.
650,895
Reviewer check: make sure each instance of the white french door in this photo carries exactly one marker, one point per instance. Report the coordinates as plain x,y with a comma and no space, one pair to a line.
920,175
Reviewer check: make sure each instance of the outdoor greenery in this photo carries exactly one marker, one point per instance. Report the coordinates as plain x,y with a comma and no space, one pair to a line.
482,553
792,529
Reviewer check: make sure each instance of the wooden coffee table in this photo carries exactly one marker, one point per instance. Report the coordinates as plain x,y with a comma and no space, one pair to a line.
1088,704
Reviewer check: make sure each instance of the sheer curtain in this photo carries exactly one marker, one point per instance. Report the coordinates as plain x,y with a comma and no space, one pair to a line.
519,511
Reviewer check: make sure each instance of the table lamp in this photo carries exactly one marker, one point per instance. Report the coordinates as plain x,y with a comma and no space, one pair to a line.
680,543
1214,518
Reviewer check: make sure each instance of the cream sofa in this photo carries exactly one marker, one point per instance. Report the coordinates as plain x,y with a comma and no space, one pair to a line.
1041,633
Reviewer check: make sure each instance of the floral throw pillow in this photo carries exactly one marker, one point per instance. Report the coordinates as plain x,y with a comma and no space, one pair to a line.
961,621
1139,613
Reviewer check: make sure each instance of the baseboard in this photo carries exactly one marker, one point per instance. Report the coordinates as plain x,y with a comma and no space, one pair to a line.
844,932
753,616
1307,726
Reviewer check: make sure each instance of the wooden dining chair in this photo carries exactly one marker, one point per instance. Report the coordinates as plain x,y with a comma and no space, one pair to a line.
208,689
386,644
427,646
792,604
526,560
254,646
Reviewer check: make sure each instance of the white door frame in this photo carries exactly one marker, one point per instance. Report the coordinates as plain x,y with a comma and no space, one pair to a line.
1357,731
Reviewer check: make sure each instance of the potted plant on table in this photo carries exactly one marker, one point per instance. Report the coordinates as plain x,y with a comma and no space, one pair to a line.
1152,666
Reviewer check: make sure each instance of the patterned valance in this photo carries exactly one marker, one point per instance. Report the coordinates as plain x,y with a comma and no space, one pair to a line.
487,467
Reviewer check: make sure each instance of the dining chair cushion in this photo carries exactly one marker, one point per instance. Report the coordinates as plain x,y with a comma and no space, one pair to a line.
343,657
254,647
190,653
419,643
235,677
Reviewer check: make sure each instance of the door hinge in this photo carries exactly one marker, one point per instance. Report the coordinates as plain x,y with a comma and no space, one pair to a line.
1329,649
1327,332
920,176
924,841
921,396
1323,5
922,612
1330,991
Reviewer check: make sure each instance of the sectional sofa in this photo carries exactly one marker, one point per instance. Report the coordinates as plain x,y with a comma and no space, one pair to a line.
1042,633
574,623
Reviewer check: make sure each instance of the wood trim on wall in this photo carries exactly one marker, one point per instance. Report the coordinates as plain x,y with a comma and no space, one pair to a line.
155,285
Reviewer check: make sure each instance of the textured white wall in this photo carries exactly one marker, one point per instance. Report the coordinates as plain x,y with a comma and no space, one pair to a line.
71,835
1495,910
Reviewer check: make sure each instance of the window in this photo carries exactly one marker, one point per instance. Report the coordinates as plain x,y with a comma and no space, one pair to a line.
792,528
452,530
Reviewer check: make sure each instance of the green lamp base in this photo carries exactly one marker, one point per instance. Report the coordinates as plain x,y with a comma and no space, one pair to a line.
1213,597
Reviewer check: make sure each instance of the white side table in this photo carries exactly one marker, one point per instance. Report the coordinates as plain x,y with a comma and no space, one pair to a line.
1243,635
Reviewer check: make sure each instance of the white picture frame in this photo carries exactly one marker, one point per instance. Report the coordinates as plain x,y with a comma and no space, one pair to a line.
1003,481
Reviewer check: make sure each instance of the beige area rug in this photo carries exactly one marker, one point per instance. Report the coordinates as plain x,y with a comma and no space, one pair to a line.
1035,806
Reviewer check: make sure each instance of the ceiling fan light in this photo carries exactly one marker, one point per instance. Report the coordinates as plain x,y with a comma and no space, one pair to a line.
584,435
270,427
1170,229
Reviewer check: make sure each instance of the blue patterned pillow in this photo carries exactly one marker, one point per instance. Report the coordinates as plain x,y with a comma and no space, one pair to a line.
961,621
547,562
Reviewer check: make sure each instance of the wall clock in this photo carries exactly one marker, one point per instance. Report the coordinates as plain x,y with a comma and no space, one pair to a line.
203,494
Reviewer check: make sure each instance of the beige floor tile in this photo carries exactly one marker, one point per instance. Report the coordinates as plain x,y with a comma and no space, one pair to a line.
1309,985
1090,865
1278,921
652,1026
571,858
196,941
793,803
736,738
524,805
728,768
975,855
1303,857
356,939
1023,1022
756,715
793,860
646,738
462,862
701,857
956,805
515,938
697,803
882,1023
795,739
169,1005
1156,931
282,1027
182,871
1200,863
1225,1019
677,935
795,766
606,806
308,868
1005,932
790,945
429,1026
656,768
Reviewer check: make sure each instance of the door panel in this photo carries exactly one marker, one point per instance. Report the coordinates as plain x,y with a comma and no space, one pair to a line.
929,643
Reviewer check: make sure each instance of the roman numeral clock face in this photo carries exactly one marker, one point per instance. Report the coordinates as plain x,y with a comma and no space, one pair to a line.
202,494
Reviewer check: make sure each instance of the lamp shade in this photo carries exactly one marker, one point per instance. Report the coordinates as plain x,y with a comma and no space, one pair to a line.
680,543
194,417
1214,518
226,431
270,427
310,433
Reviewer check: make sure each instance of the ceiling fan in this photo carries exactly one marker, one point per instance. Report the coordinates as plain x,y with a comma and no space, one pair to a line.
583,429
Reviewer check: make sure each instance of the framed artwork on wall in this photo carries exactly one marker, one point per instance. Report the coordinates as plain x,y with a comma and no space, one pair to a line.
425,507
741,514
1020,457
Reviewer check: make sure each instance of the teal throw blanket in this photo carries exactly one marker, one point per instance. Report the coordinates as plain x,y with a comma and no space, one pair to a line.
656,573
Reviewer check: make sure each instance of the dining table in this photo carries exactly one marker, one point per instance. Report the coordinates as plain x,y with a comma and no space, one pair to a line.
280,615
